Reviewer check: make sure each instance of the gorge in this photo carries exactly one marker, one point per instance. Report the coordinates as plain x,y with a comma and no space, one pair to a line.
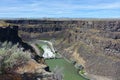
94,43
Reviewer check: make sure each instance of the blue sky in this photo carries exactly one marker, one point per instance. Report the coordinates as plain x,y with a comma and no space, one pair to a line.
60,8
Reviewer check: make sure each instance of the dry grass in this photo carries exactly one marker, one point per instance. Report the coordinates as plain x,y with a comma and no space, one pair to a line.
3,24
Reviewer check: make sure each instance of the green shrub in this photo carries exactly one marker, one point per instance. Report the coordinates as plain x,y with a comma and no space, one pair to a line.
82,72
11,56
40,49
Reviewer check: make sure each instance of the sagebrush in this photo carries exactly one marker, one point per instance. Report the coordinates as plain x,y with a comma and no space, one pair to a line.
11,56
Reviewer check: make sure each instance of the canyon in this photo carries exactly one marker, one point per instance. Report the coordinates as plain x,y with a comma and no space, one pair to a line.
94,43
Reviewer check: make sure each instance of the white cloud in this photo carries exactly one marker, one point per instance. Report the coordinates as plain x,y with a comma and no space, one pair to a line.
58,6
115,5
45,7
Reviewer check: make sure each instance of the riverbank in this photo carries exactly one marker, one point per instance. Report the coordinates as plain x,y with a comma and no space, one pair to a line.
69,71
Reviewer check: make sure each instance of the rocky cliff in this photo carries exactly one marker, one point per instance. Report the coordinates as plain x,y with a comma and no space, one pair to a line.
93,43
40,26
10,34
32,70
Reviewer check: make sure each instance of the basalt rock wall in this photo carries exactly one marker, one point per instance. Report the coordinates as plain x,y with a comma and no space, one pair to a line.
10,34
111,27
54,25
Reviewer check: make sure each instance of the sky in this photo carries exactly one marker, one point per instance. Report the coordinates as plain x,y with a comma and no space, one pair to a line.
59,8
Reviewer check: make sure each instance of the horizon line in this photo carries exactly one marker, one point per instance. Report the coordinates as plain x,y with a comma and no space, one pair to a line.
56,18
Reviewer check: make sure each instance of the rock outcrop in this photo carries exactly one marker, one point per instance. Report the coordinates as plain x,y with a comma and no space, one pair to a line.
34,69
10,34
29,71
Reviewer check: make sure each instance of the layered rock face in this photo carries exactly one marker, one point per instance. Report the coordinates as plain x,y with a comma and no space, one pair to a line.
10,34
93,43
40,26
